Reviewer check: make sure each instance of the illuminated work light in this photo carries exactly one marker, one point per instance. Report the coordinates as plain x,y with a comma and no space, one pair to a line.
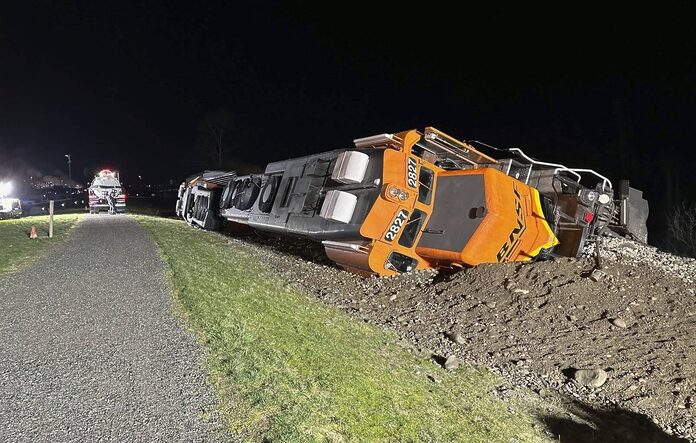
5,189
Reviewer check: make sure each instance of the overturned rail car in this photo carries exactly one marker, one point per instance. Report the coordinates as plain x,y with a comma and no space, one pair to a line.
398,202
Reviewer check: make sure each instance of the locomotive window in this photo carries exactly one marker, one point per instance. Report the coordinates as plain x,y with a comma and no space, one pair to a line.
411,228
417,150
400,262
420,151
425,187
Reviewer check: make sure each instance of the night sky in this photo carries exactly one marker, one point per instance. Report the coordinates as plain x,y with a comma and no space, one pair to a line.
124,84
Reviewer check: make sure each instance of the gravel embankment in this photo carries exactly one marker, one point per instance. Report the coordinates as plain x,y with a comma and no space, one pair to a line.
91,350
536,324
623,251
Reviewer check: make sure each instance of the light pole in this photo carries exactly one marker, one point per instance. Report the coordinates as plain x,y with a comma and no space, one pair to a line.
69,166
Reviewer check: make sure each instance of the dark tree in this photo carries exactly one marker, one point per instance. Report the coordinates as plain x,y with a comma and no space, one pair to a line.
215,130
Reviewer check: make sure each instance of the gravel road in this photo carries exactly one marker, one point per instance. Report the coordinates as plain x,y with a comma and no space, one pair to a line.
90,349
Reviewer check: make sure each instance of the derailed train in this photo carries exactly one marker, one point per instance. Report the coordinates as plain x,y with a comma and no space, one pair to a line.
416,200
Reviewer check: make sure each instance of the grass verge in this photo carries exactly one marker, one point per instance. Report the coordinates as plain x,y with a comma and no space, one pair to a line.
289,368
17,250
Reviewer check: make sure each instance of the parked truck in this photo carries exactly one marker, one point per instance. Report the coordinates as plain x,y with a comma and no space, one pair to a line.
398,202
10,208
106,193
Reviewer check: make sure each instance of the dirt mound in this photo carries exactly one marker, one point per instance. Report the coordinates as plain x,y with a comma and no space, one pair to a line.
537,323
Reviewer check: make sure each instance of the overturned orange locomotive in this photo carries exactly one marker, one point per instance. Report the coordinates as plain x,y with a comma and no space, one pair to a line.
411,200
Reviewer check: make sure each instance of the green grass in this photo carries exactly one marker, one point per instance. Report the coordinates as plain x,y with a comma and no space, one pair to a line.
288,368
17,250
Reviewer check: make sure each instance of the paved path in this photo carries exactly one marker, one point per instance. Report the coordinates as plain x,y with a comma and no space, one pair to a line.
91,351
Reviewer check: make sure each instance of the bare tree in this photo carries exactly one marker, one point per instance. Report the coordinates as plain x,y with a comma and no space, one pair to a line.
215,129
682,227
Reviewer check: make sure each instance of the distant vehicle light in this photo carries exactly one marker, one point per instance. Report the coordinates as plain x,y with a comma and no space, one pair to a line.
106,173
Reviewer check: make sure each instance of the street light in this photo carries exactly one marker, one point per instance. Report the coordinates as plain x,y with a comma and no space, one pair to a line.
69,167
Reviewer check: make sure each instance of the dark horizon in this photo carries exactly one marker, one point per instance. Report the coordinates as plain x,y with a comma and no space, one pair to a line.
126,85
